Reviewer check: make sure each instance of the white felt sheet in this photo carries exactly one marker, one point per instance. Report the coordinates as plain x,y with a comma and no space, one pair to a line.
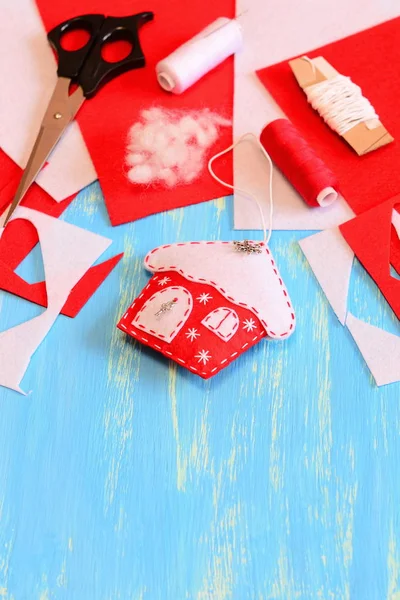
68,252
274,31
28,73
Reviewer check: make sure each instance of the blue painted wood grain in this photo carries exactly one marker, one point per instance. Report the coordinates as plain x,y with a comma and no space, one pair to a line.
124,477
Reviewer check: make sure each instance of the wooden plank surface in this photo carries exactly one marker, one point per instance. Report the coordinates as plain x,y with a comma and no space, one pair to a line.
123,477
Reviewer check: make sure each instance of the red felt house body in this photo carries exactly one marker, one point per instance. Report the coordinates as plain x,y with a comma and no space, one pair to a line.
208,341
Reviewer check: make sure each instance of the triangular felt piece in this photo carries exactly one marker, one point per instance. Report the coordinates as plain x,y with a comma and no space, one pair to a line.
106,118
331,259
380,350
369,237
88,285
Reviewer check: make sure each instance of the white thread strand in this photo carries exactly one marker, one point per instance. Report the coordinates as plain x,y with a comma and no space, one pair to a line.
267,236
340,103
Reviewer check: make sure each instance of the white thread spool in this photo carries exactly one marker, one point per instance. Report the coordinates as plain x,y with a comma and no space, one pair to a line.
206,50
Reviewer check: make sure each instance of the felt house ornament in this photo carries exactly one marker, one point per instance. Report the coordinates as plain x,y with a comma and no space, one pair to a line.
208,302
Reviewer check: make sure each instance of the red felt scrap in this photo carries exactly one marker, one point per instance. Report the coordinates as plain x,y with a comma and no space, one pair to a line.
370,236
106,118
20,237
198,346
372,60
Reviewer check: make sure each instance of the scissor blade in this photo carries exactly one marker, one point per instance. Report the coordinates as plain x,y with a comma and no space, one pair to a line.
36,161
60,112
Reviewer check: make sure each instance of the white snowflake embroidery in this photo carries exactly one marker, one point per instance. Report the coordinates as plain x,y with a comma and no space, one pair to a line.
204,298
192,334
249,325
164,281
203,356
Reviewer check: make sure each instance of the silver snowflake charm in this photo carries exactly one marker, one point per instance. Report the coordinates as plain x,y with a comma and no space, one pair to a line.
248,247
166,307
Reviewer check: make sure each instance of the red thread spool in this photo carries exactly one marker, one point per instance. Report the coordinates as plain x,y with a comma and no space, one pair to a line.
299,163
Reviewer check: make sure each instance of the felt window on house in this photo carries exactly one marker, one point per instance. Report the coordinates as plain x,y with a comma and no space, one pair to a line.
222,321
166,312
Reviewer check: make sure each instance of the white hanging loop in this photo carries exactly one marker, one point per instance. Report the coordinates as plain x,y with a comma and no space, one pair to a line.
267,231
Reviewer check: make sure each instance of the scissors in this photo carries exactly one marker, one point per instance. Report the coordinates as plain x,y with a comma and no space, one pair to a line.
86,68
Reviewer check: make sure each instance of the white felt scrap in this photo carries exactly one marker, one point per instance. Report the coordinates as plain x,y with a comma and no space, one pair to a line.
380,349
331,259
169,147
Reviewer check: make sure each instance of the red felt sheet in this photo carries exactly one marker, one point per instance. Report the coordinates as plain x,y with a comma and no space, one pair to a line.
106,118
372,60
20,237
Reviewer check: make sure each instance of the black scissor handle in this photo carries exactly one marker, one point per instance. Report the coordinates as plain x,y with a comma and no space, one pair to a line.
96,71
70,62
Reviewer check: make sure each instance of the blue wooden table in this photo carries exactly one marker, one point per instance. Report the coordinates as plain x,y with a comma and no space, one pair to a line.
123,477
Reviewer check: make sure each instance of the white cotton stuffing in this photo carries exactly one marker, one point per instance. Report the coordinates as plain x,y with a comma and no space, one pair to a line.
135,158
141,174
168,147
